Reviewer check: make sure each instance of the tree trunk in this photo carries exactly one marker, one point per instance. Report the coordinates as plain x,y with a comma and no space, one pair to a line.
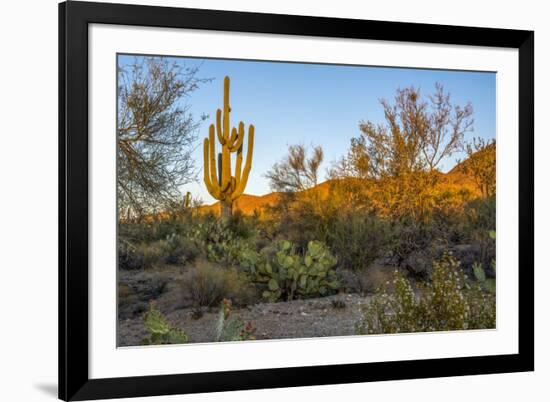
227,209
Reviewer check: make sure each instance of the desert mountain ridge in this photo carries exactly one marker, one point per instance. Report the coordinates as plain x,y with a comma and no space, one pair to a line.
248,203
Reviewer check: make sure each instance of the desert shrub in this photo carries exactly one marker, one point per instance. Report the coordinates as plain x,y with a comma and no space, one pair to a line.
228,252
414,246
480,220
174,249
230,328
448,302
167,227
290,274
136,232
207,285
364,281
128,256
129,303
241,226
141,255
221,241
448,225
305,224
358,239
179,249
137,288
480,214
161,331
485,248
149,231
296,219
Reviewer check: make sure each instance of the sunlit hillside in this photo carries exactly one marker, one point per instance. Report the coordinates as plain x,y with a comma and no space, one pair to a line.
457,180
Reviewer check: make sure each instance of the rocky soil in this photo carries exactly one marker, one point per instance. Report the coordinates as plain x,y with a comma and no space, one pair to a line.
328,316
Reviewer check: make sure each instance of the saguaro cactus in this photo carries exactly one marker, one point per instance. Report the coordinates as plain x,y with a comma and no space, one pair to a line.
219,181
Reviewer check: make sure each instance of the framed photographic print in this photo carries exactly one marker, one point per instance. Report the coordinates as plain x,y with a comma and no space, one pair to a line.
258,201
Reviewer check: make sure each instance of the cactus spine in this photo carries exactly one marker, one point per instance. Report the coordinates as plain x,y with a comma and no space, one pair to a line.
221,184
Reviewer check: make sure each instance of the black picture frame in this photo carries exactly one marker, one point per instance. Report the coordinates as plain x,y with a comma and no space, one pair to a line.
74,18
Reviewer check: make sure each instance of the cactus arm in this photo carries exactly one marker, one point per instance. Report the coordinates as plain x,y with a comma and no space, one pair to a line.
226,109
214,183
219,126
220,168
213,189
237,141
212,153
238,164
241,184
233,137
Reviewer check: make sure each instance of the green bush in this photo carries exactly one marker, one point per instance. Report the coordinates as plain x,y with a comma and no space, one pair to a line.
222,241
152,254
297,220
161,331
358,239
480,214
146,231
207,285
448,302
242,226
174,249
479,220
289,275
178,249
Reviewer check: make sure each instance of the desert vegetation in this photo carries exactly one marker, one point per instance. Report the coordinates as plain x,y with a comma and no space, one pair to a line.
384,242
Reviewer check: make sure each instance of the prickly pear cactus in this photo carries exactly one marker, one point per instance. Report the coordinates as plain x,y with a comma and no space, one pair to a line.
488,284
162,332
155,322
229,328
290,275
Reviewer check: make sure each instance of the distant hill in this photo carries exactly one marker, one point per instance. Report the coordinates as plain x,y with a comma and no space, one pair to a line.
247,203
461,167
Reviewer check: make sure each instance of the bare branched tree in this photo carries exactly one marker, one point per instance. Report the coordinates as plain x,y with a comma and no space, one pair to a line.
297,171
400,156
356,163
417,136
446,128
155,133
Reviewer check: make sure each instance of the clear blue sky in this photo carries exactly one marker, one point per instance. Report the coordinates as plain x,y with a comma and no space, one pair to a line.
318,104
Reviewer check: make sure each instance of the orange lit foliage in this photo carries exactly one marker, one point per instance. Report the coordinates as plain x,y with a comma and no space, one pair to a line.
481,165
397,162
